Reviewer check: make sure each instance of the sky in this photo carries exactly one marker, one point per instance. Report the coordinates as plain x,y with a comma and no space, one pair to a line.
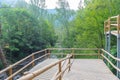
51,4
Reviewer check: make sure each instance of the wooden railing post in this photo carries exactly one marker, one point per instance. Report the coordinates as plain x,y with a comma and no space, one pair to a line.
118,24
69,64
10,72
73,53
45,51
109,25
33,57
98,53
60,69
101,55
48,53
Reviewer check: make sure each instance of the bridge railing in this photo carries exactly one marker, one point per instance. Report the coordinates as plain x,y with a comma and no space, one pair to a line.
76,52
113,23
34,74
31,60
25,64
107,59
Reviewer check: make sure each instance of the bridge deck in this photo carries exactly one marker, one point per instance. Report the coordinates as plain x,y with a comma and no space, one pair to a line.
82,69
89,69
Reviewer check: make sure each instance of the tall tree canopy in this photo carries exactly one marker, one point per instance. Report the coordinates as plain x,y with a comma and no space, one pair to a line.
23,34
88,26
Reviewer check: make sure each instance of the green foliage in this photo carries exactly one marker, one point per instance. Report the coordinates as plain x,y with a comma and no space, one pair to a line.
23,34
63,17
87,29
114,53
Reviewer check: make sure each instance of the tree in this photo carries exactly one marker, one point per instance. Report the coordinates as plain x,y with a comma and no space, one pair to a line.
81,4
88,24
37,8
2,55
64,15
3,58
21,4
24,34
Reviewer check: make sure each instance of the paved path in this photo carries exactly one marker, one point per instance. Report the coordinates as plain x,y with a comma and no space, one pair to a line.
82,69
89,69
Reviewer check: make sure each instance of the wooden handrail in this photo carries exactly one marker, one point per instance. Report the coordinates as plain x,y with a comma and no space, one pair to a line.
72,48
25,67
112,23
21,61
62,72
110,55
114,17
40,71
73,51
110,63
48,51
117,59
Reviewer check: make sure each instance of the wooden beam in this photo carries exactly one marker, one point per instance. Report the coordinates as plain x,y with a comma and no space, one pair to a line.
40,71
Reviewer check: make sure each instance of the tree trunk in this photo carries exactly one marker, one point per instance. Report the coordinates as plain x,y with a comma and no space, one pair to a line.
3,59
2,56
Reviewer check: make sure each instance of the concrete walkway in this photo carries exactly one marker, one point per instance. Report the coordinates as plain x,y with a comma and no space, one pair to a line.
89,69
82,69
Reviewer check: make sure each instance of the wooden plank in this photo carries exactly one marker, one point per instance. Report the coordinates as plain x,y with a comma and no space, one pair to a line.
72,48
81,54
114,17
114,25
115,33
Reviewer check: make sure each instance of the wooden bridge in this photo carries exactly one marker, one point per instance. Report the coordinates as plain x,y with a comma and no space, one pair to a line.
63,64
69,63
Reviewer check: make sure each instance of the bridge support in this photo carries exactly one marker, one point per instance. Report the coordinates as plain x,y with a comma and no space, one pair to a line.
118,54
107,45
108,40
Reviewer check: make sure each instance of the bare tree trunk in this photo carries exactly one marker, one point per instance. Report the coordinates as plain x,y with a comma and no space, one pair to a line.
2,57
